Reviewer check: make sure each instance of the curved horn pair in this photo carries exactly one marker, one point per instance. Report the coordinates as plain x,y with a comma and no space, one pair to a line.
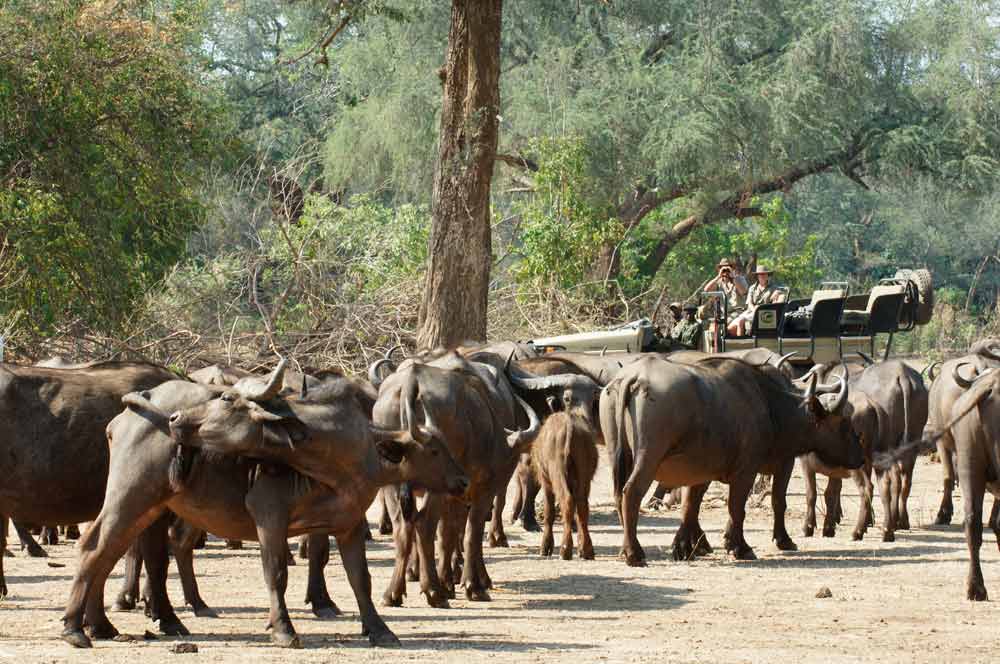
784,358
553,382
255,390
812,390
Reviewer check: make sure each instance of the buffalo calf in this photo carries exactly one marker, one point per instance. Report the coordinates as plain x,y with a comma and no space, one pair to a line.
565,460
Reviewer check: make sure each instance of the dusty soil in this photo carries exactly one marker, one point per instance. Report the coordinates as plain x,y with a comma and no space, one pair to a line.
903,601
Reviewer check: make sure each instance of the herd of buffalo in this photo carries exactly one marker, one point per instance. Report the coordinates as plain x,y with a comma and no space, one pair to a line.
151,460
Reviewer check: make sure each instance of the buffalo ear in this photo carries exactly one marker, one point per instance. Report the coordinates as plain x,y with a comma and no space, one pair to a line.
283,431
392,451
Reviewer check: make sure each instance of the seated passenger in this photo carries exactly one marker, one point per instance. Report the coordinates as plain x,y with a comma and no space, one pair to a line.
764,291
686,334
733,285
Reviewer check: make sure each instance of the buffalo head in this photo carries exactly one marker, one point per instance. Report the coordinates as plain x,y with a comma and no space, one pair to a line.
834,439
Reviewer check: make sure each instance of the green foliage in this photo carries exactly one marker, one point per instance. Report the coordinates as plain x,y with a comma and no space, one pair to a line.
104,133
562,225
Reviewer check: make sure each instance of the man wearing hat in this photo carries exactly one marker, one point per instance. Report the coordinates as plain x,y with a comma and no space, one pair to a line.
733,284
687,332
764,291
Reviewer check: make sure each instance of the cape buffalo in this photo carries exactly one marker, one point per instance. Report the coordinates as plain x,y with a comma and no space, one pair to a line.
328,434
717,419
476,413
53,452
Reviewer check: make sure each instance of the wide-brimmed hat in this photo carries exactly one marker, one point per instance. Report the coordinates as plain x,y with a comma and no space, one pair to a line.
763,268
690,306
725,262
674,305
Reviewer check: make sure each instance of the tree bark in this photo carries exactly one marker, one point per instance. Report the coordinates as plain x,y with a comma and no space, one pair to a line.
456,287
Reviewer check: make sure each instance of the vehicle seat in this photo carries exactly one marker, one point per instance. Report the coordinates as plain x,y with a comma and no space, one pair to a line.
881,313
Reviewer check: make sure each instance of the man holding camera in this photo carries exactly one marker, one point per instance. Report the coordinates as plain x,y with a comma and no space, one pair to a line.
733,284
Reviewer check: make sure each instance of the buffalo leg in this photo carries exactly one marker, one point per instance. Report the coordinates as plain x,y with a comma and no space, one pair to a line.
3,550
532,487
831,496
472,579
449,541
128,596
183,538
352,555
779,505
583,523
888,486
50,535
809,525
384,521
995,519
28,542
154,547
643,473
498,538
403,536
317,594
101,546
863,481
303,549
548,519
946,511
690,540
905,486
413,565
272,532
739,493
426,528
973,488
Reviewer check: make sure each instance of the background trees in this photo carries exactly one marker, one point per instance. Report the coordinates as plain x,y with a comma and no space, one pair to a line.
636,143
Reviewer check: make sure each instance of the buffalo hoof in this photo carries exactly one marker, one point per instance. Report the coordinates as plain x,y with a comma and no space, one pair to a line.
449,591
384,639
830,531
3,588
76,638
888,536
438,599
389,600
477,595
173,628
566,553
587,552
857,536
943,518
35,551
635,559
105,631
546,548
785,544
807,530
499,542
286,640
204,611
7,553
903,523
977,592
744,552
385,528
234,545
73,532
124,603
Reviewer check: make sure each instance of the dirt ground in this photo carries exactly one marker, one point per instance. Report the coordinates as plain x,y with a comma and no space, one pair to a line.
903,601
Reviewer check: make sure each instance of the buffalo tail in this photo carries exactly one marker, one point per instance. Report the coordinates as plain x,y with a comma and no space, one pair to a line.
622,468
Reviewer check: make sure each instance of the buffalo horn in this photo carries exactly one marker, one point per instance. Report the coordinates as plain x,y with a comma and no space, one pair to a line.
553,382
604,351
253,390
515,438
373,371
810,386
838,404
506,365
929,370
305,388
388,353
784,358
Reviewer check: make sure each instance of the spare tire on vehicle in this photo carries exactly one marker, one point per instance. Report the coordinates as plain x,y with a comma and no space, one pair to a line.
922,282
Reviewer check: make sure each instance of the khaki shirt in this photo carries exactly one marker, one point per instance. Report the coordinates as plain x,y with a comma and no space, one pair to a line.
757,296
735,302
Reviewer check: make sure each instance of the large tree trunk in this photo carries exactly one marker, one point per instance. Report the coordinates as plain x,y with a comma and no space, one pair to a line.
458,270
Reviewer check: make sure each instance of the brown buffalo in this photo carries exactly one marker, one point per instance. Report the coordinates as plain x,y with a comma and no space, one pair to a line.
565,459
53,452
718,419
328,434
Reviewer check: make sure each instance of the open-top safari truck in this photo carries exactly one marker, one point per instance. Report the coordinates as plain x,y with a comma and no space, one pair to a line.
824,328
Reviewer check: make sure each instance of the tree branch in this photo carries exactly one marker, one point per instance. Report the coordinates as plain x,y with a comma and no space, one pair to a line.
518,161
323,45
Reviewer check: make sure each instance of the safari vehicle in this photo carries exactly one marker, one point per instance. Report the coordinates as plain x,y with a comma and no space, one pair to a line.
824,328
